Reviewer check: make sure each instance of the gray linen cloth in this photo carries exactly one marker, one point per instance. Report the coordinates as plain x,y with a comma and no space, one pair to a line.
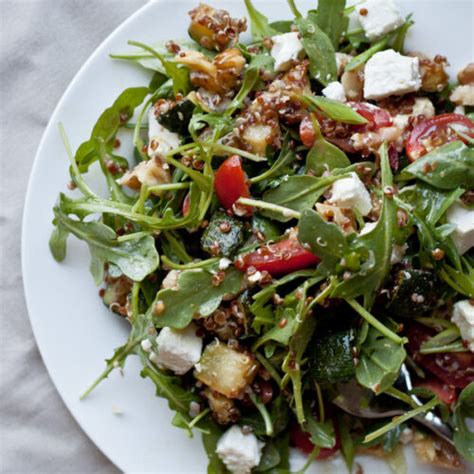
43,43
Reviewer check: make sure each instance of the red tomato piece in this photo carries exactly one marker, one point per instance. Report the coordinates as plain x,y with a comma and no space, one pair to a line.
231,183
435,132
446,393
376,116
302,441
283,257
186,205
452,368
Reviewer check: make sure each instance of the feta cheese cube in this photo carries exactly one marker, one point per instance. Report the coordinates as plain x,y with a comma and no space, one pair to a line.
160,140
379,17
170,281
389,73
351,193
463,318
178,349
239,452
335,91
463,218
286,48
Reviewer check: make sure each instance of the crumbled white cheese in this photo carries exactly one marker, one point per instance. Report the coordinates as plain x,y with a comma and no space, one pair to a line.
239,452
389,73
463,218
194,409
398,252
171,280
178,349
379,17
146,345
351,193
255,277
224,263
463,317
422,106
463,95
369,227
286,49
406,436
460,110
335,91
160,140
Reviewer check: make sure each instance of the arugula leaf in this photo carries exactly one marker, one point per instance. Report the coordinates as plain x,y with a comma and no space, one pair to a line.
259,25
176,72
136,258
282,26
210,438
169,387
347,443
333,109
461,280
448,167
379,362
379,244
399,41
298,193
251,77
196,296
281,164
150,61
277,333
362,58
109,123
321,432
58,243
331,19
324,156
463,436
319,49
325,239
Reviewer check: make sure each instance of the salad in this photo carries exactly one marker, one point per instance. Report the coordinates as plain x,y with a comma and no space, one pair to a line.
291,239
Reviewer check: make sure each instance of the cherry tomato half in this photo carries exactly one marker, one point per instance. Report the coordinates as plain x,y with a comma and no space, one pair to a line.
435,132
376,116
452,368
446,393
283,257
230,182
302,441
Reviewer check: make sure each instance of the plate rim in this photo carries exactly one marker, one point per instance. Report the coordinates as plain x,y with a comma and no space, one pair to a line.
27,209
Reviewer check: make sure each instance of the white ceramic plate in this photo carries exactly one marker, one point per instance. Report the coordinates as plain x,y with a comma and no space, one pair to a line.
74,331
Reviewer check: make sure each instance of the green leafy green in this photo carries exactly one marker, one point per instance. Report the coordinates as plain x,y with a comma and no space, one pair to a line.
448,167
210,438
463,435
196,296
319,48
379,362
137,258
331,19
335,110
378,242
259,25
324,156
298,193
321,432
109,123
363,57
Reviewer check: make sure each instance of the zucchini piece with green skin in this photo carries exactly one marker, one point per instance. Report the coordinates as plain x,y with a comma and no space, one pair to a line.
223,235
177,118
415,292
331,355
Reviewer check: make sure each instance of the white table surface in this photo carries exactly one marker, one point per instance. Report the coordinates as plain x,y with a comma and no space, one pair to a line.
43,43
